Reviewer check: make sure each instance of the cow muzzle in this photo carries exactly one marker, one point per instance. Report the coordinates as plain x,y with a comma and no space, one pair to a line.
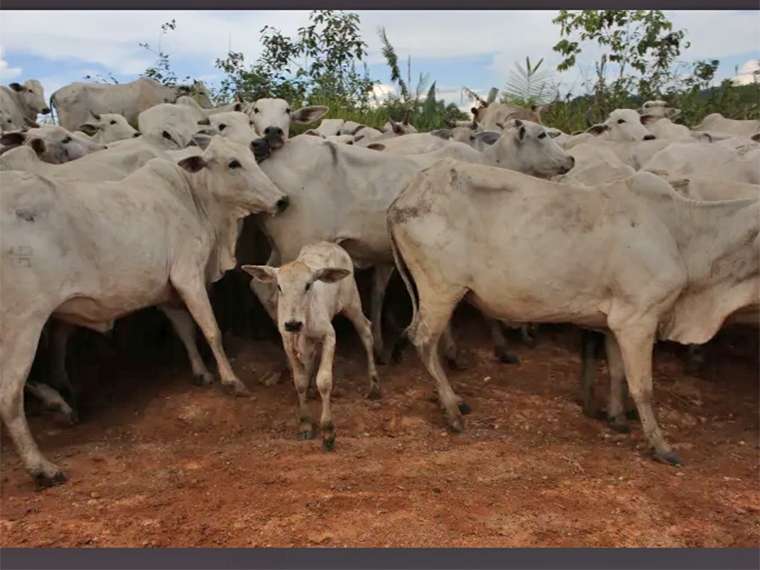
282,204
45,111
261,149
649,137
567,166
293,326
275,136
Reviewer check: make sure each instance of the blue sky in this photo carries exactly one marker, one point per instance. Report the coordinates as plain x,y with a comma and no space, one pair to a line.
474,49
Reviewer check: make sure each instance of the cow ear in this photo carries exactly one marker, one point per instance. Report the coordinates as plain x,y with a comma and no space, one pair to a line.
331,274
262,273
89,129
204,121
30,123
488,137
521,131
306,115
193,163
376,146
201,140
597,130
648,119
398,128
672,113
474,112
312,132
12,138
756,137
238,107
442,133
38,146
17,87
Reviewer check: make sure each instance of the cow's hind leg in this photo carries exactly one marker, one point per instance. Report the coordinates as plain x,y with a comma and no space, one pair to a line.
615,406
381,276
60,333
500,348
324,384
636,343
589,399
195,296
184,326
17,350
435,311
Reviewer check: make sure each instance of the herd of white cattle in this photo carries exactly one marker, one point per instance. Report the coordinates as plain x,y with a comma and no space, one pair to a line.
639,228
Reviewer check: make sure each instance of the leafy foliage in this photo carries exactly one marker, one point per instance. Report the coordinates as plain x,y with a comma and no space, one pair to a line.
529,85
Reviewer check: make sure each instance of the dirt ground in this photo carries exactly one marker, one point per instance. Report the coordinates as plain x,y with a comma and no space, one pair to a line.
157,461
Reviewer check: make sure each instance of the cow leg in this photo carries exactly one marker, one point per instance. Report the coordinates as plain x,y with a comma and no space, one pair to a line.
500,343
695,359
589,399
636,344
449,347
60,332
195,296
16,357
615,410
52,400
324,385
428,328
184,326
528,334
301,376
364,328
380,278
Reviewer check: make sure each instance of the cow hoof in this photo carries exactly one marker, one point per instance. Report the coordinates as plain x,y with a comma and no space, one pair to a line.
619,425
464,409
594,412
236,389
506,357
203,379
43,481
456,363
669,457
306,434
381,357
374,393
328,436
456,425
633,415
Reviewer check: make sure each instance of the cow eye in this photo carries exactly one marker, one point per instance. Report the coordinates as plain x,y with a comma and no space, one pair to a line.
255,110
66,140
542,136
279,288
222,127
308,286
287,110
621,121
113,122
234,163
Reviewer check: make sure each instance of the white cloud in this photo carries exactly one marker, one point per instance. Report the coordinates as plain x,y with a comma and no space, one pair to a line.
6,72
748,73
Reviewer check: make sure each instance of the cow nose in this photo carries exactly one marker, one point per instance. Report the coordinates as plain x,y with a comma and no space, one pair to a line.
45,110
572,160
137,134
293,326
283,203
649,137
273,131
260,148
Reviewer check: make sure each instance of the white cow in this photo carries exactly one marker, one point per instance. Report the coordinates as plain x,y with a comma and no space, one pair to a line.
623,125
74,103
632,257
108,128
313,289
20,104
169,126
52,144
495,116
717,122
704,159
238,105
272,118
340,193
89,253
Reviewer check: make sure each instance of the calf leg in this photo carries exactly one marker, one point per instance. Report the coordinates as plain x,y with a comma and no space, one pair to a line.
636,343
17,352
184,326
301,376
364,328
381,277
195,296
499,340
324,384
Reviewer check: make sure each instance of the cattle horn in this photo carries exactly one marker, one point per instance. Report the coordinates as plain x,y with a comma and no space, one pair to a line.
492,95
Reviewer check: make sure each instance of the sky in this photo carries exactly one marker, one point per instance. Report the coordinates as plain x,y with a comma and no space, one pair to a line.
476,49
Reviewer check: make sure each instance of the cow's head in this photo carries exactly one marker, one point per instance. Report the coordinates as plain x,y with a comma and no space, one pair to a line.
32,95
659,110
623,125
232,124
272,118
52,144
111,126
295,285
526,147
234,178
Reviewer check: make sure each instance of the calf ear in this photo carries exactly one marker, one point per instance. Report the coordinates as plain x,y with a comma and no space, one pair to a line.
597,130
89,129
648,119
262,273
331,274
192,163
12,138
309,114
38,146
17,87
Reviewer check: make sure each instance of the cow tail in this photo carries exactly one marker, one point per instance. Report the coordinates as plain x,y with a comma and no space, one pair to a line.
403,341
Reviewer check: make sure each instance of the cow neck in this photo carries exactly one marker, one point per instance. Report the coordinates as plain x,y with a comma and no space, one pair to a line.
500,157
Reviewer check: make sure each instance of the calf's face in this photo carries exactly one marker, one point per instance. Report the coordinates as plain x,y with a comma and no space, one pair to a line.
535,150
295,282
623,125
272,118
